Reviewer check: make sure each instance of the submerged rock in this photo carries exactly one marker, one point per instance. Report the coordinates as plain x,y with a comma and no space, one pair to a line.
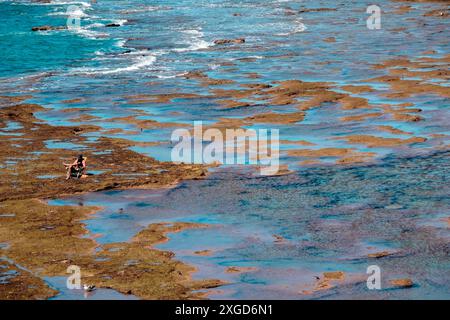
381,254
303,10
278,239
203,253
328,281
334,275
402,283
227,41
48,28
240,269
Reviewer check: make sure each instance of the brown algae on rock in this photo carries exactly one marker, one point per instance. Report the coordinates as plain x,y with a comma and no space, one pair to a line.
48,239
402,283
45,240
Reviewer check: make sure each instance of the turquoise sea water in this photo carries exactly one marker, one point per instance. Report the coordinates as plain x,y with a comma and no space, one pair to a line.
160,41
330,216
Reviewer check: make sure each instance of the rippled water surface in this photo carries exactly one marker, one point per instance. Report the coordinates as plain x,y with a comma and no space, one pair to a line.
160,41
330,219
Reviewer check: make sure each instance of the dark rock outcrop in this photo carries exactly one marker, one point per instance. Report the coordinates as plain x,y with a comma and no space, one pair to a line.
48,28
228,41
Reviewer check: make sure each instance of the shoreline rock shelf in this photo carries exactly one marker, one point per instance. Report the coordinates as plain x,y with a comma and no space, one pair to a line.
47,239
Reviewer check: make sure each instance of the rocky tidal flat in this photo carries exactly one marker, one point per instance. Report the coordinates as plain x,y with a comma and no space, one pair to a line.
363,120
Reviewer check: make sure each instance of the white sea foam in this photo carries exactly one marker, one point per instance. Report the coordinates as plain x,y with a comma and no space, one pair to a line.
86,32
214,66
193,32
298,28
76,12
139,61
99,53
95,25
195,41
197,45
121,43
146,9
162,76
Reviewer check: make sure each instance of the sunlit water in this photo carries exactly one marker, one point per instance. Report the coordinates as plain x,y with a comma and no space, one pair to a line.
331,220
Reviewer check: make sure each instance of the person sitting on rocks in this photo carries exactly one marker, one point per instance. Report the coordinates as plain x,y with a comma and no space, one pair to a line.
77,168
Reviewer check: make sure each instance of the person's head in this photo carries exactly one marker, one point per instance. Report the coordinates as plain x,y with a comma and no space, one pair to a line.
80,158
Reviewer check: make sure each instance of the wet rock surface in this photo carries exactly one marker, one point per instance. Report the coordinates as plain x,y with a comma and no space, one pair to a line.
48,28
46,240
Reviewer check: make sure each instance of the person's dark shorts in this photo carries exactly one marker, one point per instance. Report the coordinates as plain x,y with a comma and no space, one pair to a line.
76,171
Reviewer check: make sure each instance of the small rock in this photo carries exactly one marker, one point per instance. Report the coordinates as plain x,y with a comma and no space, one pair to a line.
203,252
278,238
402,283
227,41
195,75
240,269
394,207
334,275
47,28
379,254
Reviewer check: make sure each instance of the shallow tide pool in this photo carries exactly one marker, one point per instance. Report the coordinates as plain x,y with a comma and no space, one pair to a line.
292,228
